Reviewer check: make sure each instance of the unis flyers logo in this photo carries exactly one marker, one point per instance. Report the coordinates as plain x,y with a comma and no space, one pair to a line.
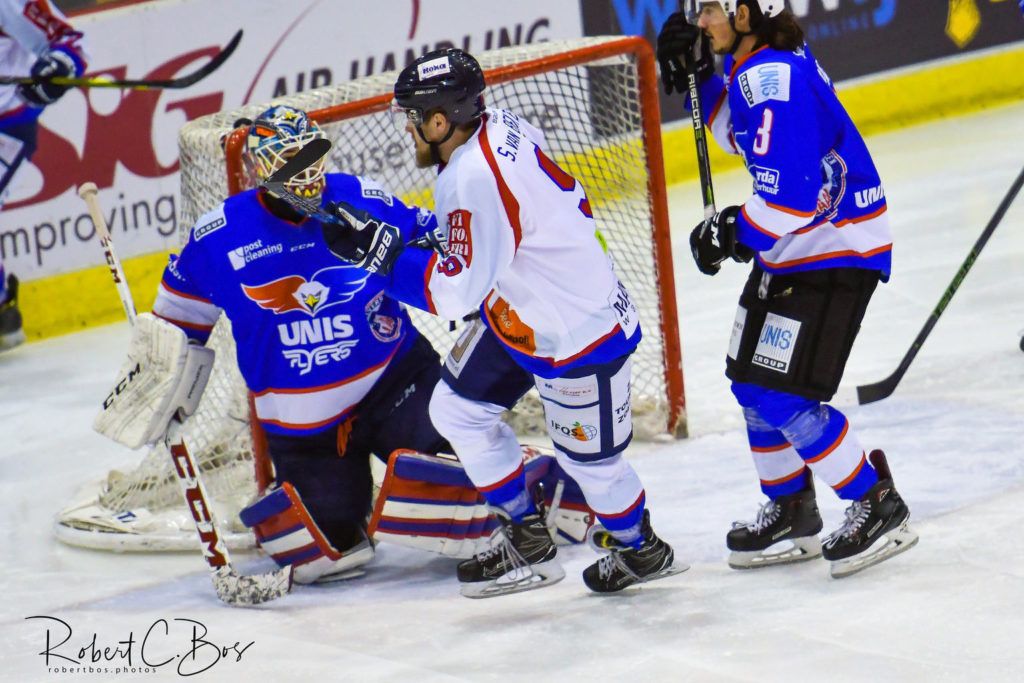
322,339
296,293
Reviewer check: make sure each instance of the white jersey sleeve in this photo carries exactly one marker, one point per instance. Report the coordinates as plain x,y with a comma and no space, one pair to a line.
481,242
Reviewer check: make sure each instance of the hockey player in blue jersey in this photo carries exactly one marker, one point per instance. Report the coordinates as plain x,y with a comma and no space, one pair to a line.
336,369
817,230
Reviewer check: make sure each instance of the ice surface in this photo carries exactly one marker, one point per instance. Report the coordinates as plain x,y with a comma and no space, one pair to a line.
950,609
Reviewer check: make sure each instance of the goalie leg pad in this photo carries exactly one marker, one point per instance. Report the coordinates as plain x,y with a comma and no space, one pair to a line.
163,373
429,503
285,530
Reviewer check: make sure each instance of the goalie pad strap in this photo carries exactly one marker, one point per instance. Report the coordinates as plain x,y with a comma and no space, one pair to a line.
286,531
163,374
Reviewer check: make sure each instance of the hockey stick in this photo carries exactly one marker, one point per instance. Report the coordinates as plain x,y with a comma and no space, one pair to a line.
133,84
231,587
869,393
88,191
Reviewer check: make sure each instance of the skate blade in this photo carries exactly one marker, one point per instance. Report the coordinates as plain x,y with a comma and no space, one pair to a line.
528,578
798,550
900,540
671,570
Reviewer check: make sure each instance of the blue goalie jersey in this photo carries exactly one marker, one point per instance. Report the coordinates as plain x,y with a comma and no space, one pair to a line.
312,334
818,201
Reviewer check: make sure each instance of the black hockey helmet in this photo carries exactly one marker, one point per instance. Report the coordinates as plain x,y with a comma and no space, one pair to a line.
448,80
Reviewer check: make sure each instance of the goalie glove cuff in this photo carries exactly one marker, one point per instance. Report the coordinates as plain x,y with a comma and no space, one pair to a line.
162,375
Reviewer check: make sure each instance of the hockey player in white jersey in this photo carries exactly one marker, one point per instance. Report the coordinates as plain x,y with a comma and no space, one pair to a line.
36,40
518,245
817,229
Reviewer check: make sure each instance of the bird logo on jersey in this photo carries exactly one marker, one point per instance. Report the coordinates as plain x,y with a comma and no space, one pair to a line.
296,293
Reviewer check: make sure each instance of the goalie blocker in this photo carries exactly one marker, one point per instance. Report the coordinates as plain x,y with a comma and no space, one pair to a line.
162,375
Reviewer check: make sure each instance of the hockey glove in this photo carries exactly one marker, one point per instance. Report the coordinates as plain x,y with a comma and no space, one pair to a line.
360,239
681,44
714,240
53,64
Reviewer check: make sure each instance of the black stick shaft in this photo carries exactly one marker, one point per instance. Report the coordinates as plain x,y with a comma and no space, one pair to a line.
701,141
870,393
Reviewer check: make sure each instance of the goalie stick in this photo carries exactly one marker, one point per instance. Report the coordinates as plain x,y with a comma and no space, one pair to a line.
133,84
231,587
869,393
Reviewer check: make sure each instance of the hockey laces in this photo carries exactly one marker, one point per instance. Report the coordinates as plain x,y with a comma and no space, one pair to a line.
856,515
607,565
501,545
766,516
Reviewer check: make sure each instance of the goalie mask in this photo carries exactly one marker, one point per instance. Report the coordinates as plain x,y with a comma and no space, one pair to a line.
274,137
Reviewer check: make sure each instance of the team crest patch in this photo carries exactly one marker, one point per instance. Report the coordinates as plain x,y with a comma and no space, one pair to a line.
776,343
460,239
386,328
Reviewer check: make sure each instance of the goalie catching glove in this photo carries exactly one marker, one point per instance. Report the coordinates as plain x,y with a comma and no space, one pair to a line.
357,237
163,374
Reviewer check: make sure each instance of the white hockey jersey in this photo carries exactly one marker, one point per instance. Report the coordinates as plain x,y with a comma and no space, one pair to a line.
28,30
522,248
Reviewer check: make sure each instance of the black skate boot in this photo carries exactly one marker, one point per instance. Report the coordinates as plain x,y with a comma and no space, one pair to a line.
521,558
875,528
793,519
11,333
625,565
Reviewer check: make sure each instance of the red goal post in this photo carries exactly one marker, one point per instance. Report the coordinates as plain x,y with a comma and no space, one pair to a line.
642,56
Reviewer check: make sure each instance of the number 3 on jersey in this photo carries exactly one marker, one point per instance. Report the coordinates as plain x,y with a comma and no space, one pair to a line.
764,134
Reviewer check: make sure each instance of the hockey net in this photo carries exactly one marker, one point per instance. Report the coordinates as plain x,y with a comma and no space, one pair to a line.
596,101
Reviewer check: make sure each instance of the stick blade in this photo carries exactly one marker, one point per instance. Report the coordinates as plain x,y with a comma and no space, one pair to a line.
310,153
239,590
869,393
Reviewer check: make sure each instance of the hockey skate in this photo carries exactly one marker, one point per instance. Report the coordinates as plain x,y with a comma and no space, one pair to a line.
785,530
623,565
521,558
11,332
875,528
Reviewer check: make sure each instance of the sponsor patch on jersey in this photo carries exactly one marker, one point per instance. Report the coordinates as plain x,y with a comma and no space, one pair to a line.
569,391
248,253
765,82
212,221
460,238
434,67
766,180
776,343
513,331
373,190
737,332
624,308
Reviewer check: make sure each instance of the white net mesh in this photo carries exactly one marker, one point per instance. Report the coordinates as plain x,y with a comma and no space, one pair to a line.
588,106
